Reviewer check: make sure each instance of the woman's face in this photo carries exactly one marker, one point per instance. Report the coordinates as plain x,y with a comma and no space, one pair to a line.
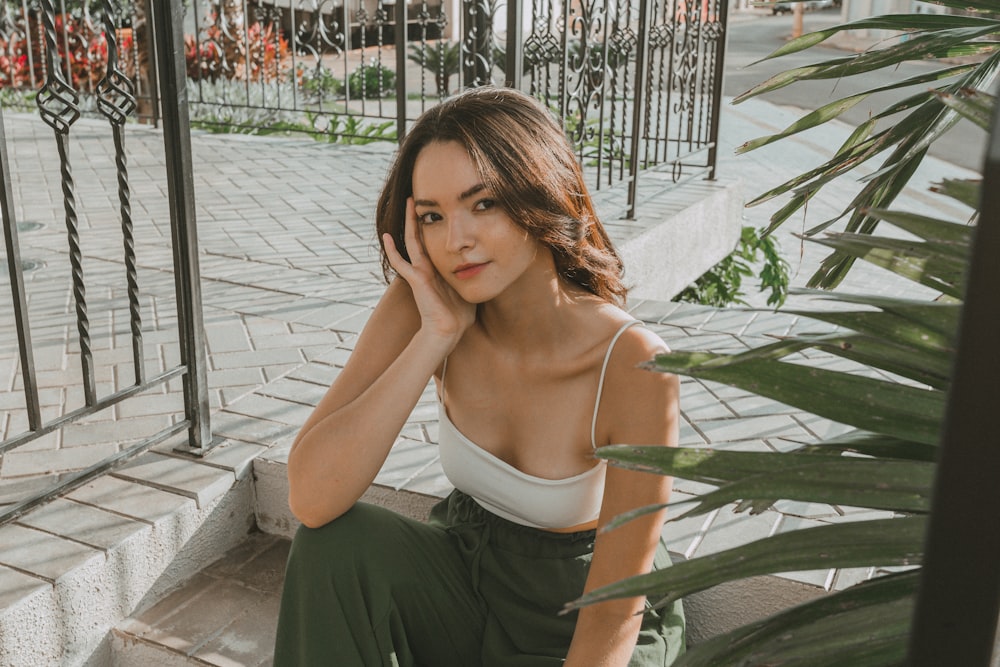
471,241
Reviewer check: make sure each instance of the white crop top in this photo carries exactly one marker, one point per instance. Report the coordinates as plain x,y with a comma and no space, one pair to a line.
516,496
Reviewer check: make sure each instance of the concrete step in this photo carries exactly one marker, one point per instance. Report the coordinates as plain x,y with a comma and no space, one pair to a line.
224,616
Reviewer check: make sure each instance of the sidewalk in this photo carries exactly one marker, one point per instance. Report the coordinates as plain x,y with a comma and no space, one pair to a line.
290,273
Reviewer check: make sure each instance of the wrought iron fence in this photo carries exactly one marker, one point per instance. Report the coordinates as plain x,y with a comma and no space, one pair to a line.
59,104
637,83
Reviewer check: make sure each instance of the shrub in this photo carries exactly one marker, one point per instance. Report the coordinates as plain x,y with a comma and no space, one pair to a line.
722,285
320,83
370,81
442,60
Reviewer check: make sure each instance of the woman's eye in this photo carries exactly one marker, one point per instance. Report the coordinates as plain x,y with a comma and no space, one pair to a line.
428,218
485,204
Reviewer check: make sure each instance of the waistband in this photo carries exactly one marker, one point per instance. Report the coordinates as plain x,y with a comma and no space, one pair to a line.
459,512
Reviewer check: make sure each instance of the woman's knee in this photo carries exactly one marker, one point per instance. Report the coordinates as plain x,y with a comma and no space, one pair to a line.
359,534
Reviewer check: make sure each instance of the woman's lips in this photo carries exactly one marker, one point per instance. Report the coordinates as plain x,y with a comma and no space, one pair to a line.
466,271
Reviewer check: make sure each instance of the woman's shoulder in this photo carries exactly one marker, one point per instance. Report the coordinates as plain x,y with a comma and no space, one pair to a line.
637,404
630,337
636,345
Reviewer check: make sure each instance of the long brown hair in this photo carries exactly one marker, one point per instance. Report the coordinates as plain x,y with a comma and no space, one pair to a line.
525,160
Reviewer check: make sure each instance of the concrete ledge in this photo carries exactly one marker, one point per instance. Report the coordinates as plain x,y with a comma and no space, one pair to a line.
700,228
74,568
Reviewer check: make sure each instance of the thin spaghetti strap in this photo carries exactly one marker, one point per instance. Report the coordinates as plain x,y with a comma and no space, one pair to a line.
600,383
440,389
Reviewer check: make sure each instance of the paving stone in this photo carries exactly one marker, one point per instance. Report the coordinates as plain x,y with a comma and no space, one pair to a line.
242,427
20,462
257,563
430,481
82,523
235,456
271,409
731,529
685,535
113,431
130,499
20,488
178,475
41,554
248,638
235,377
407,460
194,614
16,586
297,390
256,358
767,426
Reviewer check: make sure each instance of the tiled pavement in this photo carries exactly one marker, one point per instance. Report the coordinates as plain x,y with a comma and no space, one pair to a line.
289,276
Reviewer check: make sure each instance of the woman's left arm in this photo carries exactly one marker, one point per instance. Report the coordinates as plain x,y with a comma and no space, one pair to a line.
639,407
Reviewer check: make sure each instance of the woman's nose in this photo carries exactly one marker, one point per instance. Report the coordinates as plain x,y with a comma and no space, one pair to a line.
461,235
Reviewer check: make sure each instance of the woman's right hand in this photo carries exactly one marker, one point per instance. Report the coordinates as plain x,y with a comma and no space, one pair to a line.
443,312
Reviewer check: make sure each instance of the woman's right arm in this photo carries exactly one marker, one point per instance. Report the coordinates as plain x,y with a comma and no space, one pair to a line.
346,439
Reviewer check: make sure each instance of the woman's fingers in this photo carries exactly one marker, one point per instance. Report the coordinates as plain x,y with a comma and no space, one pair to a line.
414,247
396,260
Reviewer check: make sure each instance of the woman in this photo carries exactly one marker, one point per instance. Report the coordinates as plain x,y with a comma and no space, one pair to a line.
507,293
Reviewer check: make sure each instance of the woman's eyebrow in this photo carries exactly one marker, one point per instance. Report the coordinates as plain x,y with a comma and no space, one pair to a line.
474,190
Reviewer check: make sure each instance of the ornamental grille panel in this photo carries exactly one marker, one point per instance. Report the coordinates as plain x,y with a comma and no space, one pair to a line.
104,263
362,70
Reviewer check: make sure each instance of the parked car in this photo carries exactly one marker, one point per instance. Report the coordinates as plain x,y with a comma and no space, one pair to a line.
819,4
781,7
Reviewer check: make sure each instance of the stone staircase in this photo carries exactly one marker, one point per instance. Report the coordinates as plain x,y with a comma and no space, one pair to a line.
225,615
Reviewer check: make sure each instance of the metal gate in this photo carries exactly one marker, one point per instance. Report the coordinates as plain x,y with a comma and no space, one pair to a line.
59,105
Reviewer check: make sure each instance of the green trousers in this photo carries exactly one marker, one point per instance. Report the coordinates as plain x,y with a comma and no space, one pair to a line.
466,589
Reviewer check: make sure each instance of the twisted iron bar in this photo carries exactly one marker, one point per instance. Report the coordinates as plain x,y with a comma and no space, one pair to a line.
59,105
116,101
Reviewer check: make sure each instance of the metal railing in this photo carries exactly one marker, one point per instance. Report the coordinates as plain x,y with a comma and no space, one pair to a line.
58,102
636,83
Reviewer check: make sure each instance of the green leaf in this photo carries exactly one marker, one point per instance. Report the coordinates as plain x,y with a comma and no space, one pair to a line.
708,466
897,485
929,323
885,22
972,104
810,120
876,445
921,262
966,191
877,194
950,236
938,43
874,405
881,542
924,364
901,486
824,631
837,108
